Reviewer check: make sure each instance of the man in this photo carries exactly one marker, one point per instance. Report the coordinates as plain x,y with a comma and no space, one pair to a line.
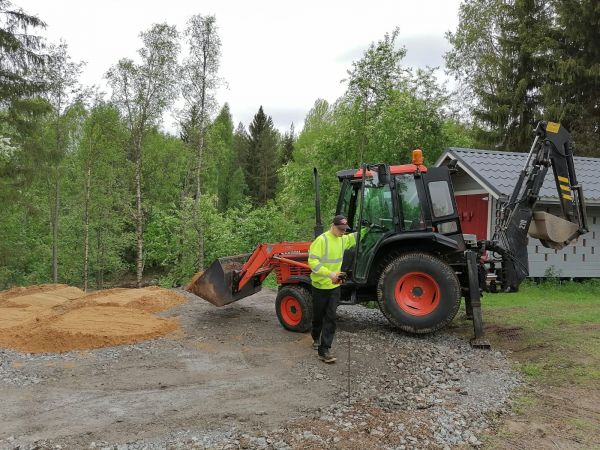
325,260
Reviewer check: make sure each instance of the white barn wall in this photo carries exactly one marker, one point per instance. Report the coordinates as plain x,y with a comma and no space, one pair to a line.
580,259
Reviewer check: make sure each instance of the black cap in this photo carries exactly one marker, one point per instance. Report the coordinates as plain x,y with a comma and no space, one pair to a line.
340,221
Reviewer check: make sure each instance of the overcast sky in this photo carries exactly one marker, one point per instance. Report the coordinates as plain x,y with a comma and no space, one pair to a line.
282,55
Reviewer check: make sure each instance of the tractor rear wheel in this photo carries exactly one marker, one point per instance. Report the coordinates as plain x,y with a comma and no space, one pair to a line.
418,293
294,308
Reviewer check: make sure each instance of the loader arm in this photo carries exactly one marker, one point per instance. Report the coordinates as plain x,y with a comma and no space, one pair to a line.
551,147
232,278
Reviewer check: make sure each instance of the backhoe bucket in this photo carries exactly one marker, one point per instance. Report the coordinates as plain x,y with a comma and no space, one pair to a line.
216,284
554,232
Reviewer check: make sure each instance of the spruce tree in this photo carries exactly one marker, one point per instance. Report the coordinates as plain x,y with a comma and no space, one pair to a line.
242,162
262,159
500,57
219,157
241,141
20,52
288,145
573,91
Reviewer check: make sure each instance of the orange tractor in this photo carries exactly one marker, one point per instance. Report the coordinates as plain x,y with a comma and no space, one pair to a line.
413,258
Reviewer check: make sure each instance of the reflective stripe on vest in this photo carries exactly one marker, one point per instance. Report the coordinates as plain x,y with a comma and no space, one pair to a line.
324,259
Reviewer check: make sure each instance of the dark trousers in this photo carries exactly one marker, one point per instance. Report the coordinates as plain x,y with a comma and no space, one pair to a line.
325,303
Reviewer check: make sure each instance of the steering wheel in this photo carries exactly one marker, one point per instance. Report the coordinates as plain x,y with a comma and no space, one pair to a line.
372,226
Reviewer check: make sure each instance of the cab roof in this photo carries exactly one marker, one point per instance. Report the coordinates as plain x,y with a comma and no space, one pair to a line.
394,170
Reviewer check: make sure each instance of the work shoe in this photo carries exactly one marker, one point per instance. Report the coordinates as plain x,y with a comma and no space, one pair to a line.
327,358
315,345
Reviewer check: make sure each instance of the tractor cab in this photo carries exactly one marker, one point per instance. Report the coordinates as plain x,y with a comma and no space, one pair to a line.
388,206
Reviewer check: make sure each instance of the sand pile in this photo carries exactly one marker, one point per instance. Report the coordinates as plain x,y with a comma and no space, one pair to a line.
58,318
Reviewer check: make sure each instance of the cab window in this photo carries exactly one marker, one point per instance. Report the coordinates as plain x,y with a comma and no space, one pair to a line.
410,206
441,200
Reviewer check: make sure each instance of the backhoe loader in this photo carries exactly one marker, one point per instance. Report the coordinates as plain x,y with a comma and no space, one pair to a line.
413,258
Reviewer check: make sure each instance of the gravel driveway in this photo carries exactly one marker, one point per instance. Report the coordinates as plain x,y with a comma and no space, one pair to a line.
235,379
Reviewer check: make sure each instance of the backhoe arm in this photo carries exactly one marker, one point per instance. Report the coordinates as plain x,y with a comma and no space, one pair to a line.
552,147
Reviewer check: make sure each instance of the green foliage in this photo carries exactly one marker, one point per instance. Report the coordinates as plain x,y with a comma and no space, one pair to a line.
212,191
21,53
386,112
287,153
165,167
223,175
457,134
552,329
571,95
522,61
170,237
262,159
102,152
499,58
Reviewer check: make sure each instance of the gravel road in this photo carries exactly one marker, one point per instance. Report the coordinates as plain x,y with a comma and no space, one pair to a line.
235,379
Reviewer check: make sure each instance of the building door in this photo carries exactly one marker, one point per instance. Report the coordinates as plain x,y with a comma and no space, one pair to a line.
473,214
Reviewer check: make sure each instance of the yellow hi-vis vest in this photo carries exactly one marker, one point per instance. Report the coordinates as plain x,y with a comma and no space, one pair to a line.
325,256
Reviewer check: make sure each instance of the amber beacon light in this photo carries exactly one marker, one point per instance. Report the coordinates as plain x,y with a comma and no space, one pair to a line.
417,157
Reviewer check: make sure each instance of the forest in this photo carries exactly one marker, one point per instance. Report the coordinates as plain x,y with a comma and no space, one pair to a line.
94,193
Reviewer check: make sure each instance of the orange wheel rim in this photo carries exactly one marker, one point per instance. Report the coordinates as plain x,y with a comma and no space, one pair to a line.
417,294
291,311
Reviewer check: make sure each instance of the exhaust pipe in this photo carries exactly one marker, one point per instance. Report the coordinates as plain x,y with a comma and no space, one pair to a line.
318,223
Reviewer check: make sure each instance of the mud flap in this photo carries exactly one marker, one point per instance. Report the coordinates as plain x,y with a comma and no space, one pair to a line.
218,284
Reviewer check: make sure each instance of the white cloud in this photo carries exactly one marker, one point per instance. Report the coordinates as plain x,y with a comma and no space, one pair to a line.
281,55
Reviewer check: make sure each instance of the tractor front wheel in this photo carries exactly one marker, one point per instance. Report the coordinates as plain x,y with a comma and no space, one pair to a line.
418,293
294,308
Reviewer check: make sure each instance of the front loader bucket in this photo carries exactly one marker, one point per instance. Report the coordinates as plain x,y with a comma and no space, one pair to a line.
216,284
553,231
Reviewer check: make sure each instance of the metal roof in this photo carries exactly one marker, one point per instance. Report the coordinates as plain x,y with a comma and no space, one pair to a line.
498,172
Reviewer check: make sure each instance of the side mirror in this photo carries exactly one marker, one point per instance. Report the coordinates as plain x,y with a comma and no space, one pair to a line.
384,174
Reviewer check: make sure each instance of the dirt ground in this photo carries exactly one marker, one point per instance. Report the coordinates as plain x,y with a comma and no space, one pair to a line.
58,318
232,377
549,415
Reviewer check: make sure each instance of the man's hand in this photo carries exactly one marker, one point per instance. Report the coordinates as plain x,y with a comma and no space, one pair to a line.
335,277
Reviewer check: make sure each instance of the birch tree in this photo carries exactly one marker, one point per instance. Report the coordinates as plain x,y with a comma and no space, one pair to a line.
143,91
61,76
200,81
101,183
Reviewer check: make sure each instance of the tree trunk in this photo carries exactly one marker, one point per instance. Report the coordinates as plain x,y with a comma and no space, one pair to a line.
86,226
100,260
139,228
196,215
54,215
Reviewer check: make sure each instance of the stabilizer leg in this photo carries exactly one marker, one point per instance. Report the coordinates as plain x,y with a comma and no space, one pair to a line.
473,300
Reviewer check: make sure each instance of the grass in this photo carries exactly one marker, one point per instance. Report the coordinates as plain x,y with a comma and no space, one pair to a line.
552,328
270,281
551,332
524,403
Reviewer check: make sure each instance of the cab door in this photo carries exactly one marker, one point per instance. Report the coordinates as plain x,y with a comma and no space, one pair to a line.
377,219
442,209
